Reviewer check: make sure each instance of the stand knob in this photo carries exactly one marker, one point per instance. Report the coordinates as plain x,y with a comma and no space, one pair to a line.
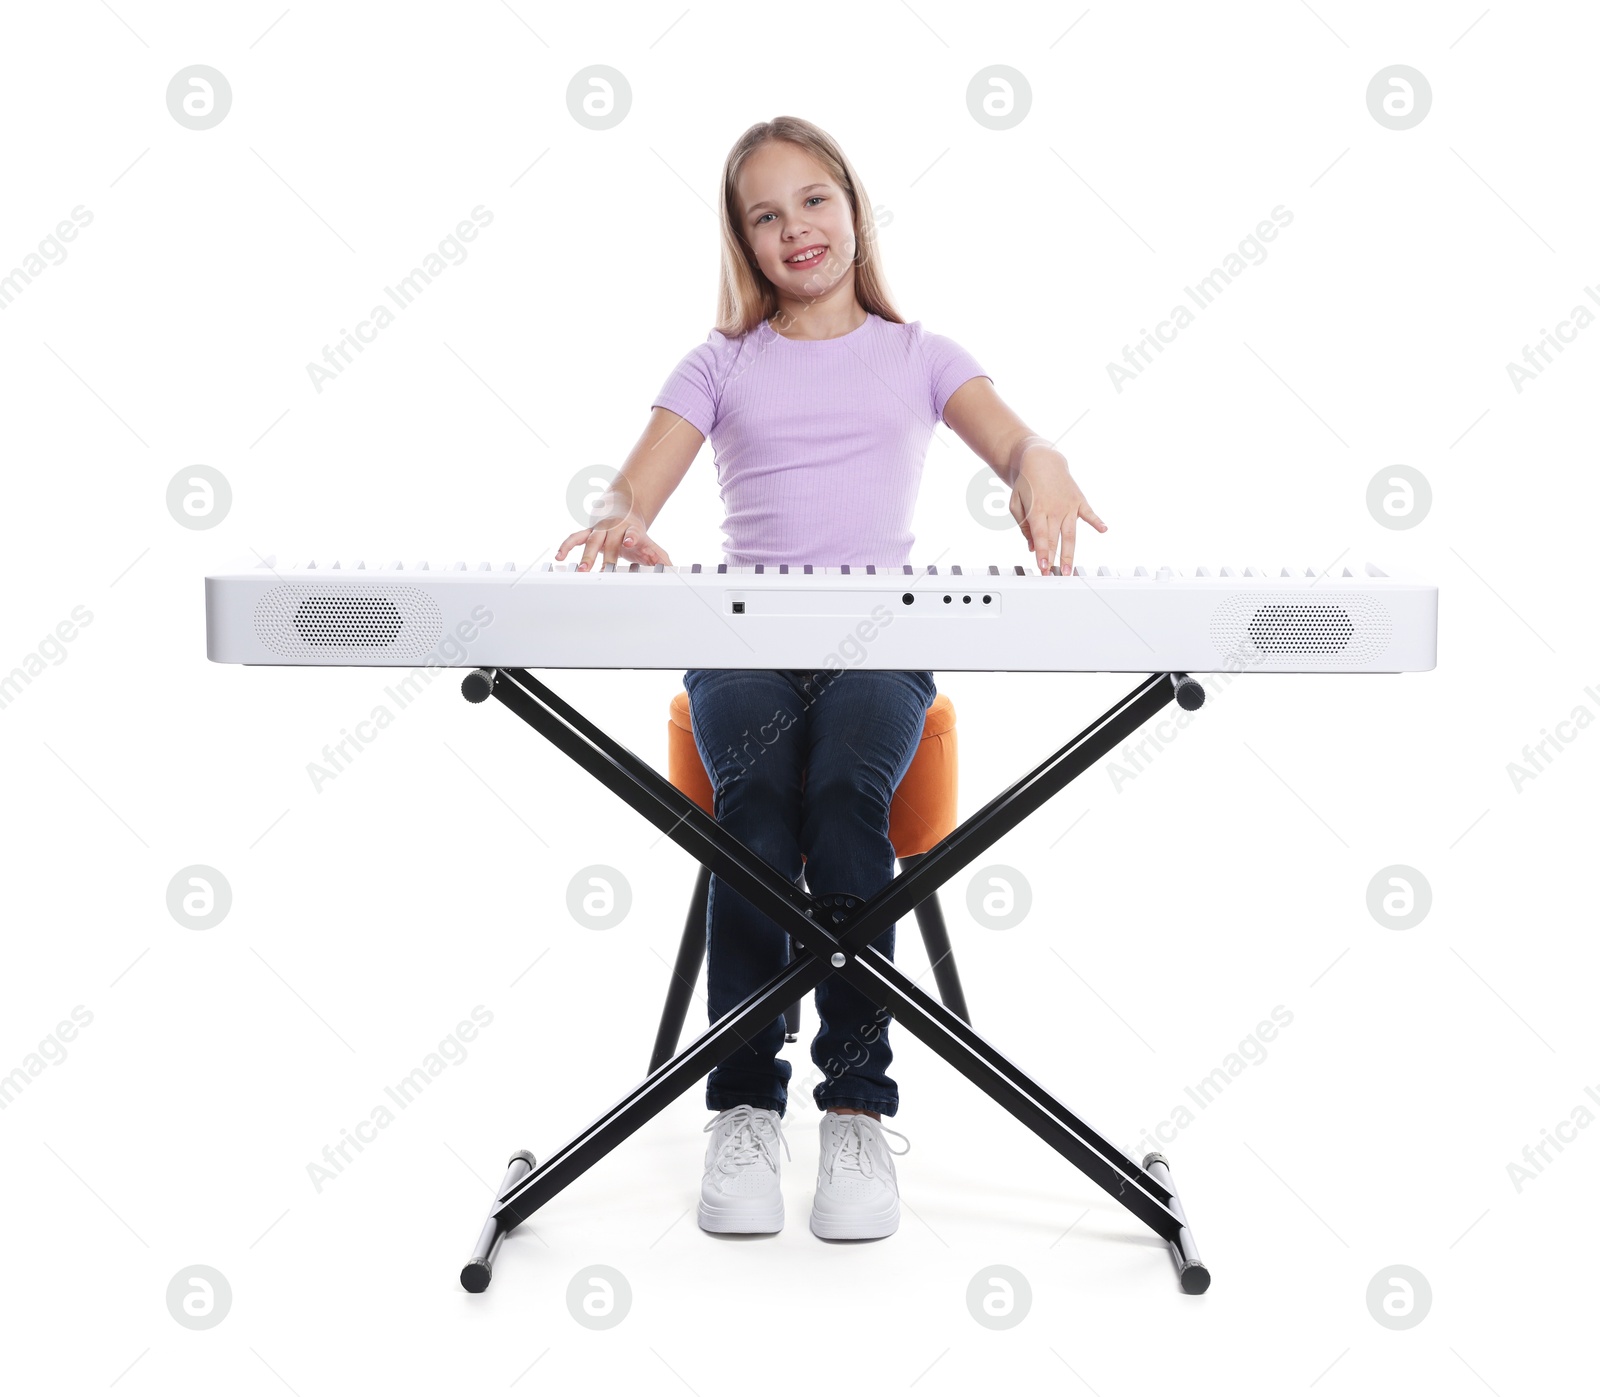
478,685
1190,692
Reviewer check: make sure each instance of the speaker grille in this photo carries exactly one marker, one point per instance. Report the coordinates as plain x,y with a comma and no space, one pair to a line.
1339,630
296,620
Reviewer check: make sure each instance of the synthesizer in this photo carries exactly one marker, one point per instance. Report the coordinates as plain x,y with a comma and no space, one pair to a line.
1356,619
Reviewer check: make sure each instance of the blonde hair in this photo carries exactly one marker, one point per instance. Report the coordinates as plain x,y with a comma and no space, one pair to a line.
744,295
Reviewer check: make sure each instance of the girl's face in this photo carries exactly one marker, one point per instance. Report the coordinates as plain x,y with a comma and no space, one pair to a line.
791,209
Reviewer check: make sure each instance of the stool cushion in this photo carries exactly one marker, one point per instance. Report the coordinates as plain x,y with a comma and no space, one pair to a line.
922,812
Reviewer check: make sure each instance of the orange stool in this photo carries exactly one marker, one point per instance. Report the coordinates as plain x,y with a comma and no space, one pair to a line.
922,812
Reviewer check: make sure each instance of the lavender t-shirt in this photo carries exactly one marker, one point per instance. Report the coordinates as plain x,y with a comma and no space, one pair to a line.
819,444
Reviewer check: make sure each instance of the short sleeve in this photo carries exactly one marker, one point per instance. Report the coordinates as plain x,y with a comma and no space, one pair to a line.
949,366
692,388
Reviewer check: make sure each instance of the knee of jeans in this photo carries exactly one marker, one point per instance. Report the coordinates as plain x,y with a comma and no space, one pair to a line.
754,789
856,788
765,818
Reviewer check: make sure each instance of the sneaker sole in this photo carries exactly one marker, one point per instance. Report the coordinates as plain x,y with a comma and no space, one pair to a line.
731,1219
865,1227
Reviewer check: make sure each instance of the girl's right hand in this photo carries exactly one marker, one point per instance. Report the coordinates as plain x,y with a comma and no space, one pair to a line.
623,538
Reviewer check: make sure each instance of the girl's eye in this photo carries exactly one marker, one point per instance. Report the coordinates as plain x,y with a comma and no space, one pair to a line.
764,217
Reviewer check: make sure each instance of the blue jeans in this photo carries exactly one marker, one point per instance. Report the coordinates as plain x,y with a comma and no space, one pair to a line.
803,763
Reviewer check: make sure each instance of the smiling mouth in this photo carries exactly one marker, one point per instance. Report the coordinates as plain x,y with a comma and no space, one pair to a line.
806,259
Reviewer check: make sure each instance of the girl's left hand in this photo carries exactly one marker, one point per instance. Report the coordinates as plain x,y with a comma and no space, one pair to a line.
1047,504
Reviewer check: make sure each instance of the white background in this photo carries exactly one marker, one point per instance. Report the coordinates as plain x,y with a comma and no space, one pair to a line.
1230,876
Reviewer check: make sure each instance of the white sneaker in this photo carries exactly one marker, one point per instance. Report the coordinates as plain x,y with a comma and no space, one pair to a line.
740,1191
857,1193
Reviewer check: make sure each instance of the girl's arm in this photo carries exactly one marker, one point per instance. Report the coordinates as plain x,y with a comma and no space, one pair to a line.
1045,500
658,462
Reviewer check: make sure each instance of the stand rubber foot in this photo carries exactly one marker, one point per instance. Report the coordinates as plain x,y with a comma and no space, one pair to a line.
477,1273
1193,1276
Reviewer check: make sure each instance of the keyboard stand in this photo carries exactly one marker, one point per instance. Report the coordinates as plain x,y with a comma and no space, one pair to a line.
832,935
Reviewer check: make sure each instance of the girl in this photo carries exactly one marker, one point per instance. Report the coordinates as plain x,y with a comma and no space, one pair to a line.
819,400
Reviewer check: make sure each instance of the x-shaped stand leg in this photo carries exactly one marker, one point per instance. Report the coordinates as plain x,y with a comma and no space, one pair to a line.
832,935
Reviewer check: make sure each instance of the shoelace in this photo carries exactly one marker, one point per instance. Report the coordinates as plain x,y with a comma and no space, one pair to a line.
745,1144
851,1152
